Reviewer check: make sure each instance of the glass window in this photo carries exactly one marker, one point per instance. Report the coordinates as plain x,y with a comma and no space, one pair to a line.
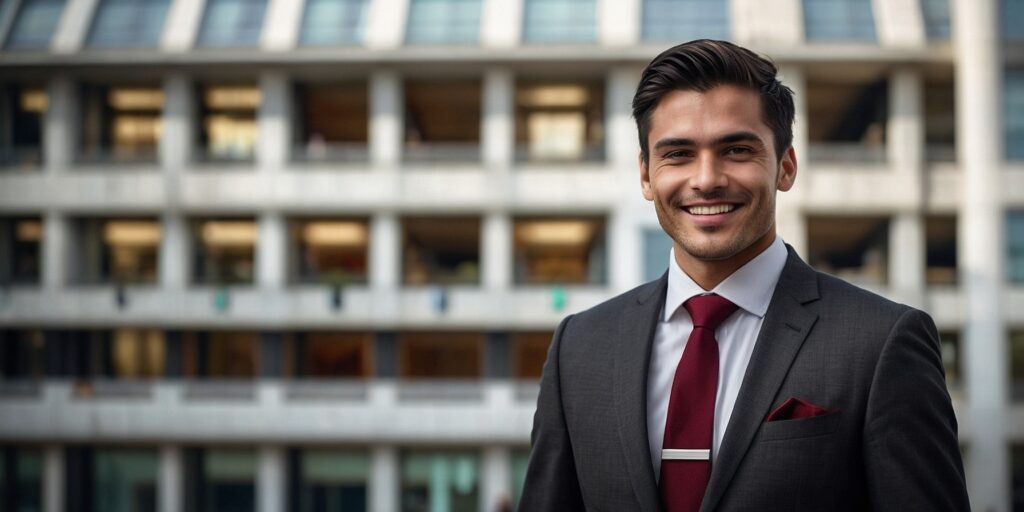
329,479
332,354
839,20
221,354
333,122
560,122
657,250
35,24
442,121
853,248
137,353
940,119
451,355
952,358
1013,19
333,22
120,124
229,23
220,480
331,251
125,480
560,21
228,130
118,251
530,352
936,19
848,116
1017,365
441,250
20,239
1015,246
1013,99
21,353
559,251
443,21
224,251
128,23
21,127
520,461
21,478
940,248
684,20
440,480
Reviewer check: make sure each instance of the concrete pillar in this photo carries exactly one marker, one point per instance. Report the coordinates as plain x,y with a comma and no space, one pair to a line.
385,251
182,26
496,259
980,143
175,253
501,23
272,251
498,125
496,478
789,214
55,245
170,480
624,248
621,142
73,27
281,25
905,130
907,257
618,22
275,116
177,136
386,119
385,479
60,124
779,22
899,22
385,23
53,479
270,479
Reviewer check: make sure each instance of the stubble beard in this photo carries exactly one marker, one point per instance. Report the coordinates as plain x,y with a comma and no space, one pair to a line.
721,248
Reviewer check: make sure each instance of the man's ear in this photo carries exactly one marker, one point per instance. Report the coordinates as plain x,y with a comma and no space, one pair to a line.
645,178
787,170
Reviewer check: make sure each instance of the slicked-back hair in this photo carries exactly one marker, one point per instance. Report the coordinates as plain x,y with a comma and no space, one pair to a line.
702,64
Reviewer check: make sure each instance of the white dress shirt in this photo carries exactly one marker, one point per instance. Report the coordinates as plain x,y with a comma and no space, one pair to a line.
751,288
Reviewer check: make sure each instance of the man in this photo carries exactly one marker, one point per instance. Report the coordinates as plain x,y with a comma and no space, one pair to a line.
742,379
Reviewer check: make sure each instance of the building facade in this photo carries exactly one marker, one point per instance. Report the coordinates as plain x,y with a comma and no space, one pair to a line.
308,255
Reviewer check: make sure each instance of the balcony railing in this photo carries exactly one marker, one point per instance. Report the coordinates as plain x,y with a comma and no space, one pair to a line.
442,152
846,152
333,152
117,156
22,158
591,153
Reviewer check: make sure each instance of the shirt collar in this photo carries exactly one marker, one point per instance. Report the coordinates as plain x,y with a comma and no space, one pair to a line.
750,287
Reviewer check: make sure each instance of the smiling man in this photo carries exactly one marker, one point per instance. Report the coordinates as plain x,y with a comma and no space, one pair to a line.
742,379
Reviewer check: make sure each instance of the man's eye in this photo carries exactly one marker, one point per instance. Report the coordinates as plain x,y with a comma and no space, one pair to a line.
740,150
679,153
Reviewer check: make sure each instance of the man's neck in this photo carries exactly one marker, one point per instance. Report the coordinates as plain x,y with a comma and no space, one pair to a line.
710,273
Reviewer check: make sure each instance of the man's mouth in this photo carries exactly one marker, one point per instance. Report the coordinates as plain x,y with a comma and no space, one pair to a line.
710,209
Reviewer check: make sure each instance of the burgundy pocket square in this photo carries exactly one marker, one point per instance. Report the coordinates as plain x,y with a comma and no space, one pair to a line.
794,409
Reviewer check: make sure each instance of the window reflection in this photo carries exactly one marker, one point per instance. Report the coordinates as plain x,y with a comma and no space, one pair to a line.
440,480
228,131
224,251
117,250
560,122
328,480
559,251
330,251
120,124
220,480
125,479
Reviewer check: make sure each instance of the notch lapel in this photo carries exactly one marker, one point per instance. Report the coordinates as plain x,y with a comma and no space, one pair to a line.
633,353
786,325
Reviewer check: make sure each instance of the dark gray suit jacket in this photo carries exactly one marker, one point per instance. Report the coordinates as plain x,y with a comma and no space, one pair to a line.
891,443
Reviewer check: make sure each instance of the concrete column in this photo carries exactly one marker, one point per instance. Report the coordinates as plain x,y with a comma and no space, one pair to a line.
386,123
385,23
272,251
73,27
385,251
618,22
174,251
182,26
778,22
275,137
177,135
789,215
624,248
60,124
170,480
621,142
905,130
497,251
270,479
56,234
53,479
385,479
501,22
907,257
281,25
899,22
498,125
496,478
981,250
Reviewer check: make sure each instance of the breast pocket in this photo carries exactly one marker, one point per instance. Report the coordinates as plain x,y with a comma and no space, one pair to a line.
800,428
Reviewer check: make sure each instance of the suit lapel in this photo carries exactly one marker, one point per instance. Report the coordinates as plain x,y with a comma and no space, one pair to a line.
786,324
633,352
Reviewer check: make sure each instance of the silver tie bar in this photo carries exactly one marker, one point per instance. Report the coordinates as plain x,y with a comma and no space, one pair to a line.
672,454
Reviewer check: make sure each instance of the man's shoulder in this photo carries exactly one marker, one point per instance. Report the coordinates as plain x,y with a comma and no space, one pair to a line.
650,294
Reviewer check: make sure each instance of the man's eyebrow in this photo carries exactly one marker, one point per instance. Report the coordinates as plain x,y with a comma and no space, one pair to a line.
743,136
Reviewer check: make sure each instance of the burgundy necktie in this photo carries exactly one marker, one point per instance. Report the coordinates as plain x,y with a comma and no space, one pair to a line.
686,451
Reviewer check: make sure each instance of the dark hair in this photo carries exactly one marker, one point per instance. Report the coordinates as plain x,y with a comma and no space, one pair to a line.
703,64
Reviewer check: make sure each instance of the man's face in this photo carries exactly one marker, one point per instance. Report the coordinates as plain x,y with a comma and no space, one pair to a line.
712,174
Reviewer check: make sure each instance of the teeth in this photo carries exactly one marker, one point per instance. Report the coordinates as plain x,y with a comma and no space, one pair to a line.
711,210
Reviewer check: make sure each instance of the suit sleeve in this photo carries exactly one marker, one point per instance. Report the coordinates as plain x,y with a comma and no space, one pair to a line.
911,453
551,483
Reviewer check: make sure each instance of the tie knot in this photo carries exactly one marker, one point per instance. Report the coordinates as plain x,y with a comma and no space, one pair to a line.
709,311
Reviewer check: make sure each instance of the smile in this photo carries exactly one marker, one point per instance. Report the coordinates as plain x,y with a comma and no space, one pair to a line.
714,209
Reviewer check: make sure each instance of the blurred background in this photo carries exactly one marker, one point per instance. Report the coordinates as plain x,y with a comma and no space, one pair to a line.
308,255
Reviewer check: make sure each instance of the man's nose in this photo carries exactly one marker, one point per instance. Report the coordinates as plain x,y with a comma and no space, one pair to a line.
709,174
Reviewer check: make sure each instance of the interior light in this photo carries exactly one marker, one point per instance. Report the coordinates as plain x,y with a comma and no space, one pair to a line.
554,96
335,233
135,233
29,230
34,100
136,99
555,232
229,233
232,97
